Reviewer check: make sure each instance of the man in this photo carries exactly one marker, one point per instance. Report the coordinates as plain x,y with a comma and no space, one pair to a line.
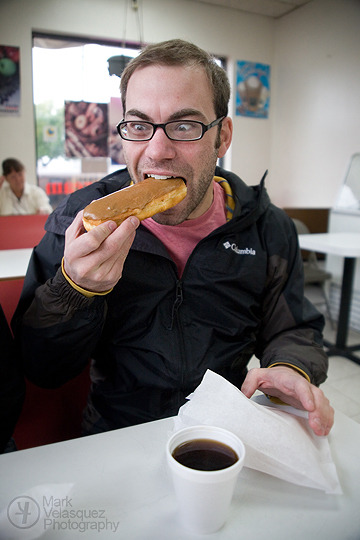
206,284
16,195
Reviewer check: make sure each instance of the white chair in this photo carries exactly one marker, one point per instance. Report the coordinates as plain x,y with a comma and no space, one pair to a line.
313,273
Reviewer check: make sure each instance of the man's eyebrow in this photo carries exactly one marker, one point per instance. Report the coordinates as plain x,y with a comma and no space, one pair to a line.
138,114
177,115
184,113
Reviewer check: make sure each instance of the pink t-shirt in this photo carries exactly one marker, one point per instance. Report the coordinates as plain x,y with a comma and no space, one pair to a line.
181,239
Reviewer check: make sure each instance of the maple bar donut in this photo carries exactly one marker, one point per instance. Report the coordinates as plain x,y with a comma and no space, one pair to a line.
143,200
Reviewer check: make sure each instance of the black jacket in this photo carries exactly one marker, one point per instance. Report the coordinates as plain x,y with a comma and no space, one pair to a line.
153,337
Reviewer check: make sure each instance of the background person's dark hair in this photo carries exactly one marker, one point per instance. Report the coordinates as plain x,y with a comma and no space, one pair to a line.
177,52
11,164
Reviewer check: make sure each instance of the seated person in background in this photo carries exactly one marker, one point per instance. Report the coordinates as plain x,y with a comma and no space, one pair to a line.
16,195
12,387
209,283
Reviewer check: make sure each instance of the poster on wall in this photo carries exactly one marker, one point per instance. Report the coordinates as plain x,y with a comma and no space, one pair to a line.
252,89
115,142
86,129
9,80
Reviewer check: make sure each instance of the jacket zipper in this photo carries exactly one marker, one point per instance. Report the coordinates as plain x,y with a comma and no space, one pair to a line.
176,321
177,303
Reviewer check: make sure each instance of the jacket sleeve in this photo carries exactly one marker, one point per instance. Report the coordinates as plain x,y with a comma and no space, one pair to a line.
56,327
292,328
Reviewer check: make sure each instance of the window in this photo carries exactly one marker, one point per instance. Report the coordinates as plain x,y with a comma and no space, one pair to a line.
77,106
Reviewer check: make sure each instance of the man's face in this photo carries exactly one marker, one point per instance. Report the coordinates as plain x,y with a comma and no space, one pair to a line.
16,180
160,94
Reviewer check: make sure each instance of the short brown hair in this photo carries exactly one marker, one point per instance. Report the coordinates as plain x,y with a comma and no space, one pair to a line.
11,164
177,52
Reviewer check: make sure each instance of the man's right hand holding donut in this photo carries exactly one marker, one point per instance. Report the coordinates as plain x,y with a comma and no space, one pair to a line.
94,260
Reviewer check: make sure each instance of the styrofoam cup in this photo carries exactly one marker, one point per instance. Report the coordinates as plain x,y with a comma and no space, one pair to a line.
204,497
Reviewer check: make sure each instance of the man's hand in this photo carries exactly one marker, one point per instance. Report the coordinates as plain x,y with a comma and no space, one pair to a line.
95,260
292,388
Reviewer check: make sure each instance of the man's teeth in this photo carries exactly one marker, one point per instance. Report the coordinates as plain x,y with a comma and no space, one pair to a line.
159,176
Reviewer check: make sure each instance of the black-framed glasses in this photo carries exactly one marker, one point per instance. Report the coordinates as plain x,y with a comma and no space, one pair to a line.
176,130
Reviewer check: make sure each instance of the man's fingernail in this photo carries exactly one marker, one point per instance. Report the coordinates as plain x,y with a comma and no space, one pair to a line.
134,221
319,425
111,226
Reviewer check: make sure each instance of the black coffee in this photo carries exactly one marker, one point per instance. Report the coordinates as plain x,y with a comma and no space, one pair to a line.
205,455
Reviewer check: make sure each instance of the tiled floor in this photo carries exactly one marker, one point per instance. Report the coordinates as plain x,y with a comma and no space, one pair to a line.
342,386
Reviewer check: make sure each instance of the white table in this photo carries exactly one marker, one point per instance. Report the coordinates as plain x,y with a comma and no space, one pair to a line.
14,263
121,476
346,245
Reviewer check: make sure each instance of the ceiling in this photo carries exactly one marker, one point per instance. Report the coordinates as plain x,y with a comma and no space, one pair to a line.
269,8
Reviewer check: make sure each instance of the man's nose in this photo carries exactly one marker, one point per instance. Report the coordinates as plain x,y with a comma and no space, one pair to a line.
160,146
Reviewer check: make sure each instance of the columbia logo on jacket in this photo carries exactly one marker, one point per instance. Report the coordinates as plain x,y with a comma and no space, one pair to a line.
234,247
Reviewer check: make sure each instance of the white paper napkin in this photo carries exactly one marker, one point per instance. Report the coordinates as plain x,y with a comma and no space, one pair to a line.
277,443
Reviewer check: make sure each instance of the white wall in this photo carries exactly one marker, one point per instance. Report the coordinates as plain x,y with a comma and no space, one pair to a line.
314,56
316,113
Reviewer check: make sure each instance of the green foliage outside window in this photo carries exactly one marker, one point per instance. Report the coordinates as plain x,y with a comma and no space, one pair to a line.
50,131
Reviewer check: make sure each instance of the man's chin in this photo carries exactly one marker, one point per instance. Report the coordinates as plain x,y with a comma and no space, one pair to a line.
168,218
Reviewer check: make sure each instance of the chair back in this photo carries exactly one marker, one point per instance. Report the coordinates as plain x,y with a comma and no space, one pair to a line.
18,232
301,228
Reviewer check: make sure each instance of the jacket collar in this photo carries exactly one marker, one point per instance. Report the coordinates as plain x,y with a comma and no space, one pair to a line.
250,201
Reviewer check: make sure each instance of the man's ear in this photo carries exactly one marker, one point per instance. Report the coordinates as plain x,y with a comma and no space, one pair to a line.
225,136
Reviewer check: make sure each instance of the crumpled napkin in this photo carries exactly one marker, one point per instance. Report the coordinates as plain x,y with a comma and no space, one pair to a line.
277,443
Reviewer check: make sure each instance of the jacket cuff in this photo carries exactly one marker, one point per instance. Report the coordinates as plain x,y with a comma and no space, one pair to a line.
60,287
